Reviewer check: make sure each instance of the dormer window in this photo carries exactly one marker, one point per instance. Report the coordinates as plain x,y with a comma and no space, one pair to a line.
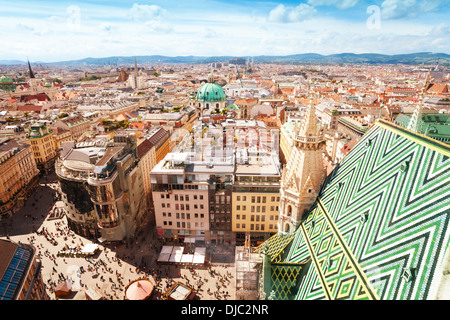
409,274
404,166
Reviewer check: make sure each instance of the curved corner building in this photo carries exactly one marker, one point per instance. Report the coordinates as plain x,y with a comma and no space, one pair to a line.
102,187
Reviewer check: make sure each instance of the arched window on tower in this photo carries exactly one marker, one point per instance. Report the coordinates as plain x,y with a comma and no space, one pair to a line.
289,211
286,227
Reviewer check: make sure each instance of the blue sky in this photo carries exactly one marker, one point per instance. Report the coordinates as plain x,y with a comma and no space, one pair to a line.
63,30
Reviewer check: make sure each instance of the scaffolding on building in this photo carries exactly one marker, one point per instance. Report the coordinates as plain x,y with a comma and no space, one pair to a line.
248,265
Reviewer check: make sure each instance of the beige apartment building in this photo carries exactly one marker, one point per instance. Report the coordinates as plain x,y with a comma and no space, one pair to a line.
61,135
182,213
18,175
77,125
43,146
255,199
255,213
180,200
151,148
147,160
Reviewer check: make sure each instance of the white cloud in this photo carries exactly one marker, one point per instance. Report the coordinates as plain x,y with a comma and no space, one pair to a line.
209,33
24,27
158,26
145,12
341,4
442,29
397,9
291,14
106,27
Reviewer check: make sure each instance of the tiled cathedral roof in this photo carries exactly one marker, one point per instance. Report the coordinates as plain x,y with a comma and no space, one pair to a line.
380,226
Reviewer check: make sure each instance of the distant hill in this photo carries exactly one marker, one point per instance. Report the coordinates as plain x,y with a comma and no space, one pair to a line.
369,58
341,58
11,62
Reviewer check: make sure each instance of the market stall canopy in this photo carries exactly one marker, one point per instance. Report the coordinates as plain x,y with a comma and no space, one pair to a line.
90,248
199,255
63,289
180,291
93,294
167,249
140,289
177,253
187,258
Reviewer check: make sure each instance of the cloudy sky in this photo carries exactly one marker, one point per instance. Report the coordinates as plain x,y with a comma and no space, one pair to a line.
64,30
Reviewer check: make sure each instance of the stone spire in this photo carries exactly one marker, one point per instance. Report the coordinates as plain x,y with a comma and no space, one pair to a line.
30,71
309,125
415,122
304,173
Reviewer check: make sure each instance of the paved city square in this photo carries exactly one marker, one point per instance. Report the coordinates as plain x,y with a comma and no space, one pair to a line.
113,267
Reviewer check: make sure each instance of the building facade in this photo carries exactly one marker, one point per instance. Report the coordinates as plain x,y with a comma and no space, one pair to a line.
181,199
61,135
43,146
102,187
256,202
19,175
20,273
215,165
77,125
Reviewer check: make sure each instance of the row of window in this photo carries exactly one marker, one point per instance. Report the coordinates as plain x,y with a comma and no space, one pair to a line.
181,215
182,224
258,199
182,206
256,217
256,208
255,226
181,197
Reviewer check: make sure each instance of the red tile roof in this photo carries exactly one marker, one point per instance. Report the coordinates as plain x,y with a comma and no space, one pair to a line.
29,108
438,88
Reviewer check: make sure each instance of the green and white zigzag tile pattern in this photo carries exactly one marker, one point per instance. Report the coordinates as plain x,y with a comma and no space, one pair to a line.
383,212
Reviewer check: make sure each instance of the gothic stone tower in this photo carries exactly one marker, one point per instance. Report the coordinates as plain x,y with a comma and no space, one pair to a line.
415,123
303,175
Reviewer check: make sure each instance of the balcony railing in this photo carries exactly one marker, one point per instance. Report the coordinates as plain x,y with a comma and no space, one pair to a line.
65,173
108,225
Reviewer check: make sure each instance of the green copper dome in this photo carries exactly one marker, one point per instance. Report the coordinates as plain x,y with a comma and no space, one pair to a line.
6,84
5,79
211,92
